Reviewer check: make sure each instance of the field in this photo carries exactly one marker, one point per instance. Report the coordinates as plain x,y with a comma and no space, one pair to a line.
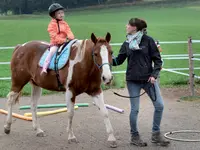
169,23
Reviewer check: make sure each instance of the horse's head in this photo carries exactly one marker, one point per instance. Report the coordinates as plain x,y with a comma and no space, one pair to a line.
102,56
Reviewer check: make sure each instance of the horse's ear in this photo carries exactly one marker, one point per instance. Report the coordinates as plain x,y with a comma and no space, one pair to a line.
93,38
108,37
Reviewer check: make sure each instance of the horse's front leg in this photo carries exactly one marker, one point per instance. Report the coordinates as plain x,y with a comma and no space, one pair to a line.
99,101
70,100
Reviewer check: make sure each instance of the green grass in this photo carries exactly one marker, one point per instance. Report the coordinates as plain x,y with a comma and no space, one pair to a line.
164,23
190,98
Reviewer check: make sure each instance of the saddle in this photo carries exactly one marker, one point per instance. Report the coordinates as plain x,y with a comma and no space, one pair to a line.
61,56
59,59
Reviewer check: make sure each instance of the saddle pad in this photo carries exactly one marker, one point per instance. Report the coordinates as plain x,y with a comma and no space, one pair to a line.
62,57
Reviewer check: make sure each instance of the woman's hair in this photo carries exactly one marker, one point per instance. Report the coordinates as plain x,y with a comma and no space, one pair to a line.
139,23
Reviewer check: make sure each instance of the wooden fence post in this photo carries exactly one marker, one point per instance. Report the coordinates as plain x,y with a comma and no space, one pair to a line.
191,67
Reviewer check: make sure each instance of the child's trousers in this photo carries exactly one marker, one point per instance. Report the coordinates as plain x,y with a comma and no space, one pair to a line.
48,58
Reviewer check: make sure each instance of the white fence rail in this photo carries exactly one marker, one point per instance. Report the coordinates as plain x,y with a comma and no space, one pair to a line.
5,48
118,44
167,57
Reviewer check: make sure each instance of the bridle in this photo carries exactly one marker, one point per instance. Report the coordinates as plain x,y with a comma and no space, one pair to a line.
99,66
148,85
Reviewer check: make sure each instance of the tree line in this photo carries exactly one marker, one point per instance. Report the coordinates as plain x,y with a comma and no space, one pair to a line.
31,6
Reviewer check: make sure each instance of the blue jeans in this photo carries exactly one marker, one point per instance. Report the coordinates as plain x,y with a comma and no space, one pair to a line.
134,90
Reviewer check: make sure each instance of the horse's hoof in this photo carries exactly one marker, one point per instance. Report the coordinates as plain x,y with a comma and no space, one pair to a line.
40,134
112,144
7,131
72,140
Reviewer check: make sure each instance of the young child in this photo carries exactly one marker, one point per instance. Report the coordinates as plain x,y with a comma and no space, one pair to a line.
59,32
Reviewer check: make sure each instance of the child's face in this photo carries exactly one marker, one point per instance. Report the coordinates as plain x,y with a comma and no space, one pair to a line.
59,14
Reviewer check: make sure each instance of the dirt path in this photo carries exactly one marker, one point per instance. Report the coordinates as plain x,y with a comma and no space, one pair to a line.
89,126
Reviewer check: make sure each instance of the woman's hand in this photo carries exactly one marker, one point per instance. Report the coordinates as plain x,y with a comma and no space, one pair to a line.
152,80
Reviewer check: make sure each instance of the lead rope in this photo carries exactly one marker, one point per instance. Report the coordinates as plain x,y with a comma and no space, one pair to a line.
137,95
145,91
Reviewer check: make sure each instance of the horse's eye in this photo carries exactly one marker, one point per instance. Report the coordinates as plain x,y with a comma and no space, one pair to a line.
111,52
95,54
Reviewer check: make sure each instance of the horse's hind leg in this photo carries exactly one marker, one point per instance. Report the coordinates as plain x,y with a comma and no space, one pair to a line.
12,99
18,82
35,95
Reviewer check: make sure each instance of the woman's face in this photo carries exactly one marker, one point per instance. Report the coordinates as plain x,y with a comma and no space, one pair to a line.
59,14
130,29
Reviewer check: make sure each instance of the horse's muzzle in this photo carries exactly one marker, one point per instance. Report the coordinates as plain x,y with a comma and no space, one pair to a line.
107,80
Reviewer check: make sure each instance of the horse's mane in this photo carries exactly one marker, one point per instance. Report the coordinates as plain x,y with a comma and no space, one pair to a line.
16,47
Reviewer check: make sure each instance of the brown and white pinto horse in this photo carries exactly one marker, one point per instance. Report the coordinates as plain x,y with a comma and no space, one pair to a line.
88,65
